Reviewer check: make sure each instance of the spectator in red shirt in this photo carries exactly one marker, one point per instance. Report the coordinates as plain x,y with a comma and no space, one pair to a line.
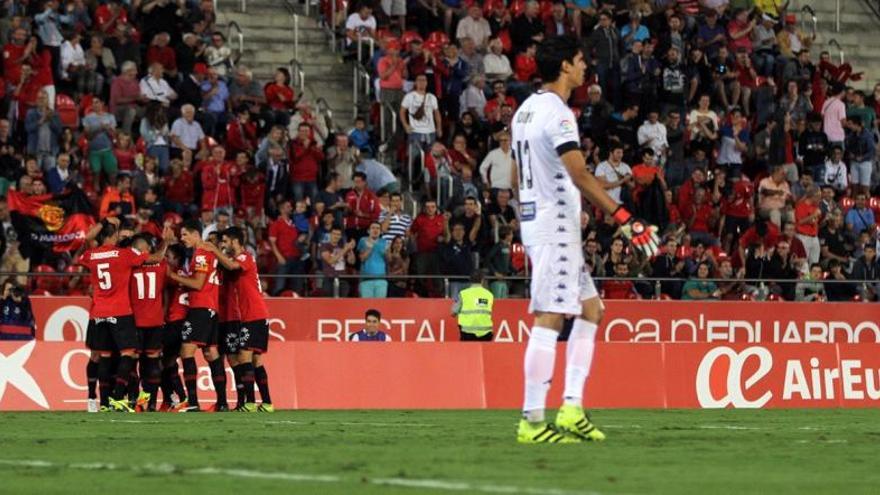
16,52
241,133
701,216
108,15
525,66
807,215
738,211
253,187
178,187
125,153
492,110
363,208
619,289
427,232
160,52
762,232
219,181
280,97
686,191
305,162
284,239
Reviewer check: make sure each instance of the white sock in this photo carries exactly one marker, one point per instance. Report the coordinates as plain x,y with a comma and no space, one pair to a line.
539,363
578,358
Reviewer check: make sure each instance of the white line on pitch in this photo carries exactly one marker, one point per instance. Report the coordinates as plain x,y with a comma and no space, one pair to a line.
348,423
429,484
727,427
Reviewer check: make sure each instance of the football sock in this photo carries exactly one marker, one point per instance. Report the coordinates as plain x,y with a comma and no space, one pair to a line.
152,377
262,379
165,384
92,377
133,385
239,388
123,375
578,358
540,360
190,373
247,383
105,373
218,376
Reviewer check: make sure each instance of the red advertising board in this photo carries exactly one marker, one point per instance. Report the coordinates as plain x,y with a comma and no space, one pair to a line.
429,320
346,375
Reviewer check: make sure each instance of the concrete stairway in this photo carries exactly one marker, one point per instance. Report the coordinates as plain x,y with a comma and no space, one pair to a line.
268,44
858,36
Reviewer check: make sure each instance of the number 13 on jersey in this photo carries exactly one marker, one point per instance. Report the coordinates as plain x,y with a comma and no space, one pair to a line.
524,163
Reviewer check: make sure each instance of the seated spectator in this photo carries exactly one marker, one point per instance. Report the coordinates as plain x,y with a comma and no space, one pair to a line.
160,53
810,288
186,133
836,286
125,96
775,195
155,88
17,318
867,269
835,171
860,217
218,54
371,332
698,288
619,289
495,63
241,133
360,25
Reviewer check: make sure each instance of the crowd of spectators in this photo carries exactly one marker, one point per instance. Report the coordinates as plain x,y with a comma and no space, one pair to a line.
712,119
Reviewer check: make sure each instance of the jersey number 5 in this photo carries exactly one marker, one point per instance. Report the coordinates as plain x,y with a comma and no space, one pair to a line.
104,282
524,160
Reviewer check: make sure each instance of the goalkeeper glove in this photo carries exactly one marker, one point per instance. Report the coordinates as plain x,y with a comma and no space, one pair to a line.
642,235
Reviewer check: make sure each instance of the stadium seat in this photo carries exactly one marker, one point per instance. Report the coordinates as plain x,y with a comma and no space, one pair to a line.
438,37
546,9
517,7
846,203
67,111
408,37
46,283
85,104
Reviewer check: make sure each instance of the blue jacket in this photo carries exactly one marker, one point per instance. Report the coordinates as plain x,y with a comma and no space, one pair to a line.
17,320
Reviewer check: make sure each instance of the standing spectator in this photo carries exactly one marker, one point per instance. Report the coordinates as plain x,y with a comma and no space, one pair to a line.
372,253
558,23
775,194
860,217
394,222
125,96
527,27
473,307
456,258
363,208
341,160
834,115
284,238
244,90
652,134
43,127
794,103
420,115
100,128
219,181
218,54
241,133
497,166
159,52
861,149
735,142
813,147
305,163
498,263
178,187
391,70
154,131
835,171
453,72
615,175
605,41
50,34
280,97
398,266
336,256
17,316
109,15
668,265
427,232
634,32
371,332
396,9
277,176
215,94
360,25
474,27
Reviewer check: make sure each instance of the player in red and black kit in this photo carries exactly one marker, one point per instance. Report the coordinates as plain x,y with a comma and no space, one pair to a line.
200,326
147,294
110,268
229,318
254,334
178,305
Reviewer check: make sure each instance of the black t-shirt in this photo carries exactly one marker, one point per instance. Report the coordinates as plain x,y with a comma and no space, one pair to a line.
835,241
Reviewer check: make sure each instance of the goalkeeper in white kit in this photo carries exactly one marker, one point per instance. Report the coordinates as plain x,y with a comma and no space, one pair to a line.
551,174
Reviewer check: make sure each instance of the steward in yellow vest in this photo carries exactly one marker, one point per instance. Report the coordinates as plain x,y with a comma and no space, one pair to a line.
473,306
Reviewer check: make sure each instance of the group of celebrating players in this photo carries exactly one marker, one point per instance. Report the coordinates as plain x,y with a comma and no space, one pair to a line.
155,301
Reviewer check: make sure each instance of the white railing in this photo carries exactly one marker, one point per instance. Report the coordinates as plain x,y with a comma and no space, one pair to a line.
383,127
237,35
833,42
809,15
297,75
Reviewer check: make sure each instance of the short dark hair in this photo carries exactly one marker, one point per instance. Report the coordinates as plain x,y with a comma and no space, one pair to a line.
373,312
477,276
234,233
108,230
360,175
192,225
552,52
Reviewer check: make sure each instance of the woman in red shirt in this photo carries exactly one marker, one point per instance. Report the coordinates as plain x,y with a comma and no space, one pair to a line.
219,181
178,186
125,152
280,97
241,134
526,66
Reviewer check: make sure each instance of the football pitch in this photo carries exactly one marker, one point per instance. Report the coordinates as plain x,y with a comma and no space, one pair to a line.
439,452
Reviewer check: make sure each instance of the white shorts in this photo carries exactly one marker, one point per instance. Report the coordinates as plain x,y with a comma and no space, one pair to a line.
560,279
394,7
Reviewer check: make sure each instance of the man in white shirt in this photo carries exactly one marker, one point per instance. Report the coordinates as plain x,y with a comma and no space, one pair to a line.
155,88
496,64
835,170
186,133
613,174
496,167
420,114
653,134
360,25
475,27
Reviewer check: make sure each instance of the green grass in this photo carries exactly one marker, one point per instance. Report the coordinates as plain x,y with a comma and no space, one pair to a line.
774,451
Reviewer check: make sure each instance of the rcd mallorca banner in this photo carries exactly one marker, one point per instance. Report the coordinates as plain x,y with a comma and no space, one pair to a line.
58,222
430,320
40,376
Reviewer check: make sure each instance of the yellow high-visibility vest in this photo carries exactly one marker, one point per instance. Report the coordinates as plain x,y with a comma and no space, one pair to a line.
475,316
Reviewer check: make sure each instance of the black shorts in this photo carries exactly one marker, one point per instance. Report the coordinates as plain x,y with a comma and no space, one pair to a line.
91,335
254,336
171,338
151,338
227,337
200,327
115,334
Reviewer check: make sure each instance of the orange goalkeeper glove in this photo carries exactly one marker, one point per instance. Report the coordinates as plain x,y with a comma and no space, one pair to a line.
642,235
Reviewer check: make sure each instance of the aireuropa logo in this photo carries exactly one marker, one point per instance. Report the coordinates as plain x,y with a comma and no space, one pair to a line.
734,386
